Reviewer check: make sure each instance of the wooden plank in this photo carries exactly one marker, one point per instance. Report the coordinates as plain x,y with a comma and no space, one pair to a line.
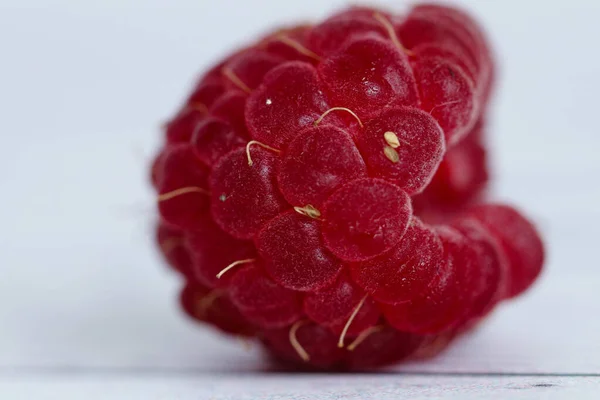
297,387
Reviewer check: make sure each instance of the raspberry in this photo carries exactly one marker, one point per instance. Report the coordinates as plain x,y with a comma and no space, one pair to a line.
213,138
294,254
369,74
208,89
342,307
463,172
247,70
181,128
183,188
156,170
519,240
263,301
404,272
244,197
365,218
230,108
434,24
381,346
463,257
423,28
442,306
290,44
291,98
448,95
304,342
460,180
328,158
171,243
212,250
465,29
215,308
447,51
298,181
404,146
334,33
492,267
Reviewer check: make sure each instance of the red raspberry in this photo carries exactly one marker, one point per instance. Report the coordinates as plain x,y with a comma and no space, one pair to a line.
172,245
182,183
406,270
335,305
381,346
215,308
243,197
285,182
262,300
210,249
327,157
305,342
519,240
369,74
443,306
460,180
412,141
354,226
492,267
294,252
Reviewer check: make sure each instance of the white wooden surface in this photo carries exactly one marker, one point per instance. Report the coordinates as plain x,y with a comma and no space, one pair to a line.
87,311
297,387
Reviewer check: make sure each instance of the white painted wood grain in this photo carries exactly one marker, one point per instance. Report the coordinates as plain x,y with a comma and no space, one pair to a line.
299,387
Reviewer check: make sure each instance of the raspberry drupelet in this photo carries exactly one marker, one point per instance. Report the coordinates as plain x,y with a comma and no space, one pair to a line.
298,184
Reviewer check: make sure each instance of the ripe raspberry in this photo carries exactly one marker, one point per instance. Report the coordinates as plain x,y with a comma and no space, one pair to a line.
442,306
328,158
285,182
243,198
335,305
304,342
211,249
406,270
215,308
519,240
460,180
492,263
354,226
183,188
403,145
171,242
262,300
294,253
369,74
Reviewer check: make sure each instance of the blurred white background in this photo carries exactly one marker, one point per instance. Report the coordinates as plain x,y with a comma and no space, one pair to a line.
84,86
